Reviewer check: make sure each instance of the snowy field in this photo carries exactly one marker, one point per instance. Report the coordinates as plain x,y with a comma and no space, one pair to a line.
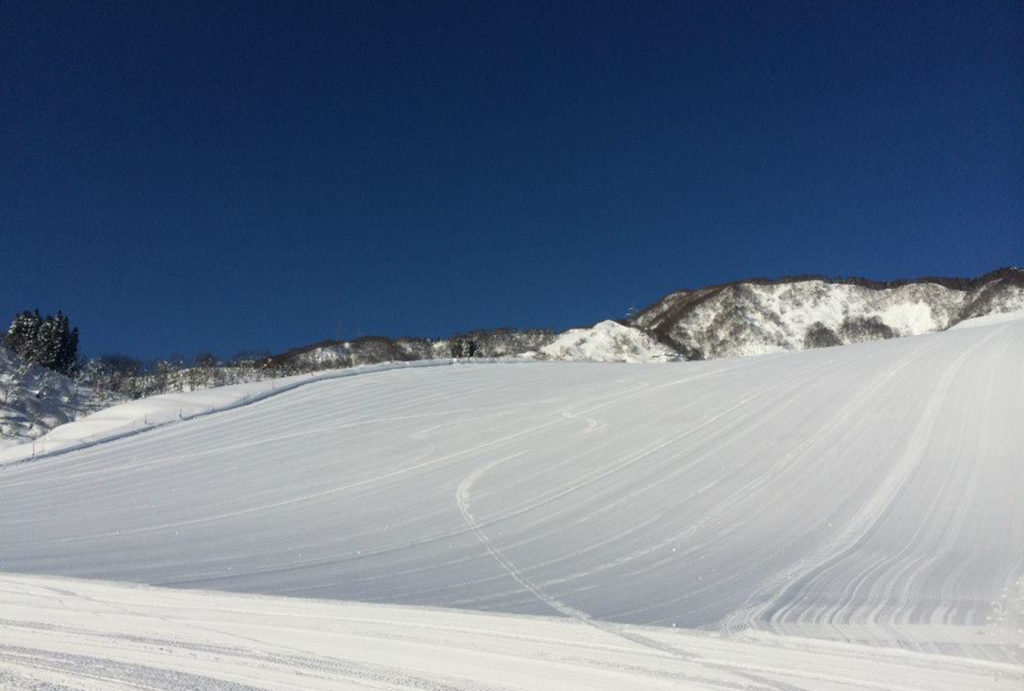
868,497
62,633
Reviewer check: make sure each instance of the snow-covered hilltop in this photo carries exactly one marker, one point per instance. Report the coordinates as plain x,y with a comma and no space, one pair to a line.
759,316
607,341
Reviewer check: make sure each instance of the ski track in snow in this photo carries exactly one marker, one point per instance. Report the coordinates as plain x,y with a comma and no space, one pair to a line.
868,495
855,532
60,633
463,500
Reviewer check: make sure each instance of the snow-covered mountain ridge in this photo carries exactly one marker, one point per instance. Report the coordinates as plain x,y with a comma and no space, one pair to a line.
761,316
750,317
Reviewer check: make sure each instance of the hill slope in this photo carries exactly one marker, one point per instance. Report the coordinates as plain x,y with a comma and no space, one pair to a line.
868,493
607,341
763,316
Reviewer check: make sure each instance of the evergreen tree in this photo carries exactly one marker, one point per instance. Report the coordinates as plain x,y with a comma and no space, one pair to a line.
49,342
463,347
21,337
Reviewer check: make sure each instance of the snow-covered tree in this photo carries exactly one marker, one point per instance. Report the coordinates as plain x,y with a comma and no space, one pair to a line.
50,342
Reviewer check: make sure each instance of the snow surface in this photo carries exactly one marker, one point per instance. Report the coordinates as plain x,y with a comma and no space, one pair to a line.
607,341
989,320
867,494
34,400
136,416
65,633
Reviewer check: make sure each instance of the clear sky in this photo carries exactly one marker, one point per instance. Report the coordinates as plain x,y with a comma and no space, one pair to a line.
185,176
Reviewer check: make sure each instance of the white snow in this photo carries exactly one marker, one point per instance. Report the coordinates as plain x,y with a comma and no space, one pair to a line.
607,341
65,633
866,496
907,310
136,416
34,400
989,320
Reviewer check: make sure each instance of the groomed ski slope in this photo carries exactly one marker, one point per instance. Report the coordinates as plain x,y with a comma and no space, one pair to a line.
868,494
64,633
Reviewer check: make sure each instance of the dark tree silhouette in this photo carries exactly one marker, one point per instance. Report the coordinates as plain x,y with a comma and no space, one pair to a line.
49,341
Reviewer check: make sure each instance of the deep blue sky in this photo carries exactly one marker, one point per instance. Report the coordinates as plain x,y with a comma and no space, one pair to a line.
226,176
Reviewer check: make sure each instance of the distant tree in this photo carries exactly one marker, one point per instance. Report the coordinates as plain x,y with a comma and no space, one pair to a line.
121,364
113,372
860,329
463,347
205,359
24,332
820,336
249,358
49,342
162,372
175,363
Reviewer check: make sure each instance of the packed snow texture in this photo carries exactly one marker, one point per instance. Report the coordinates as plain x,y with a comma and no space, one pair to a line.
65,633
34,400
989,320
133,417
867,494
607,341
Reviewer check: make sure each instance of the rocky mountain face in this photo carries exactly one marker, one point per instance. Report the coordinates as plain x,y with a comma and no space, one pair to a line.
761,316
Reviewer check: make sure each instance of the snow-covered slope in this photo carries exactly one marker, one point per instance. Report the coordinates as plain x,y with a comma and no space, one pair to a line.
757,317
133,417
869,494
607,341
34,400
65,633
989,320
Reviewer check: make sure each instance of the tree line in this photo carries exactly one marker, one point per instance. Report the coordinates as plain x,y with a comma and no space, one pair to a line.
52,342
